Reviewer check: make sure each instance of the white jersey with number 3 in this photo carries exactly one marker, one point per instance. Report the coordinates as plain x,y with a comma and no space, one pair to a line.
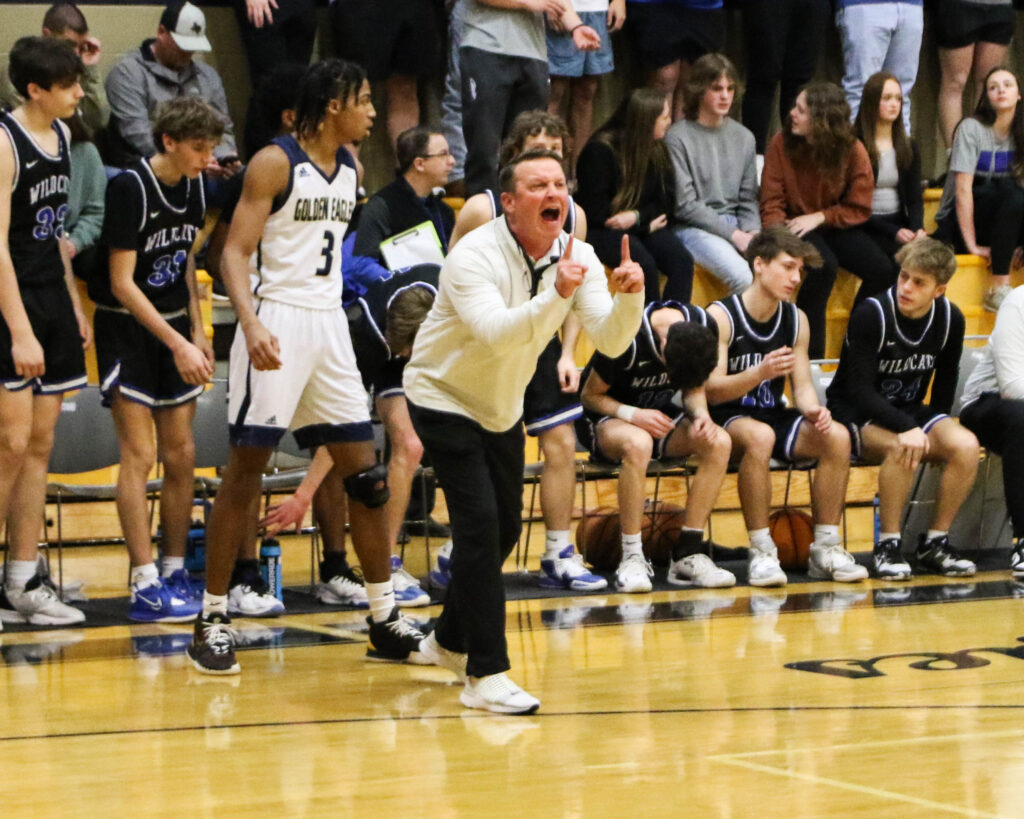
298,259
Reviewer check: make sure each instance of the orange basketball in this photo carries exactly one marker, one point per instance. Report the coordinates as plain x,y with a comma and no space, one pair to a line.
599,538
792,530
661,526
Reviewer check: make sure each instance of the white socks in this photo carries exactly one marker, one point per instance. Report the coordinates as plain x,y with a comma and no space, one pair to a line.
382,600
555,542
144,576
632,545
169,564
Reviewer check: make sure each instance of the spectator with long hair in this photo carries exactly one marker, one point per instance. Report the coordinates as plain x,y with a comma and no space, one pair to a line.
982,206
817,181
715,210
897,207
626,187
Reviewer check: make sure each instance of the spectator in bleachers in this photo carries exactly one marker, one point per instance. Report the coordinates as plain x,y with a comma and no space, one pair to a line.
161,69
632,415
151,347
993,409
399,43
897,207
424,163
574,73
715,212
625,188
762,342
982,206
899,344
504,68
973,37
66,21
451,101
817,181
671,35
783,42
84,221
880,35
273,34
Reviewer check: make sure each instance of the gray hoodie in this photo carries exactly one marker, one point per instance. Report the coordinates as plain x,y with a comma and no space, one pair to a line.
138,83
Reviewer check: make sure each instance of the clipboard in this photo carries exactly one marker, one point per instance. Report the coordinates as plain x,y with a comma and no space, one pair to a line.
417,245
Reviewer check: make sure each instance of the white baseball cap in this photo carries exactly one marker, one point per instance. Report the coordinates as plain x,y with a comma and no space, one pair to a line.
187,26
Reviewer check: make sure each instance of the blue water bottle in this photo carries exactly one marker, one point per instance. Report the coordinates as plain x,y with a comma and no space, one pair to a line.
270,566
878,519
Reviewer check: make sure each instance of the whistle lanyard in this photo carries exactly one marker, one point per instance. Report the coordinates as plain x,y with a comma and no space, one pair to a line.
536,273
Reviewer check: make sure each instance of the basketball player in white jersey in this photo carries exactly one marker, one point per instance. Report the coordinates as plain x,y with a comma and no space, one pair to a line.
292,366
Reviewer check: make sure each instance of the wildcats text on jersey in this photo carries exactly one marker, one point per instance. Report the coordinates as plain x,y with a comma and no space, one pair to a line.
57,183
323,208
649,382
169,236
912,363
747,361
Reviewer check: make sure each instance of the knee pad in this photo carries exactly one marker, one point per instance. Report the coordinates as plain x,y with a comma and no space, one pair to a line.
369,487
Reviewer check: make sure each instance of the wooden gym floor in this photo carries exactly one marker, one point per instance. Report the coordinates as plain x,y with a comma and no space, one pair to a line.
822,699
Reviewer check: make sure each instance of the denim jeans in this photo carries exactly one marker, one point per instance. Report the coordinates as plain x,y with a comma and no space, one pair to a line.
451,102
880,37
718,256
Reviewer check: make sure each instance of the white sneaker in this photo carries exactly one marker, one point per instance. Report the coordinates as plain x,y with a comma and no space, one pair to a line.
634,574
245,601
343,590
832,562
566,570
408,592
433,653
39,604
763,568
699,570
497,693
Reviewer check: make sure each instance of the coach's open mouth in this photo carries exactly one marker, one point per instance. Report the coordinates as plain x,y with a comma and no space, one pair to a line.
553,214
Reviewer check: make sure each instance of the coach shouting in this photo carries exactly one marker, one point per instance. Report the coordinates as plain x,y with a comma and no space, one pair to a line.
504,290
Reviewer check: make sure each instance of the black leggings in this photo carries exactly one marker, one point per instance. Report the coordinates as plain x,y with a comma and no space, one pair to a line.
999,425
782,39
852,249
660,250
998,222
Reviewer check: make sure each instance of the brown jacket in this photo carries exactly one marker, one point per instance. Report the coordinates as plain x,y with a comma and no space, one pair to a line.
788,190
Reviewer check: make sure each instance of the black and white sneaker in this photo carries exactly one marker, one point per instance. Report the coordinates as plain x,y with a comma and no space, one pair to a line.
1017,559
888,561
938,557
212,650
396,640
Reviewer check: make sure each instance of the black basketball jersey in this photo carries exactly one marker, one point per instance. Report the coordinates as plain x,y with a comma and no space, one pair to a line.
368,316
497,209
750,341
160,224
906,351
638,377
39,204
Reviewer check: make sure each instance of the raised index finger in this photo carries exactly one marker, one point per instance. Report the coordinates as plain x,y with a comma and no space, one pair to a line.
567,253
625,249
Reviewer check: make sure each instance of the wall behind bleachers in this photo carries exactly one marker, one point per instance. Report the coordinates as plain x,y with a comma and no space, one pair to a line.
122,27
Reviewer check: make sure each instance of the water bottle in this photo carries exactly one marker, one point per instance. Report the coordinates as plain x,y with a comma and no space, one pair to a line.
270,566
877,519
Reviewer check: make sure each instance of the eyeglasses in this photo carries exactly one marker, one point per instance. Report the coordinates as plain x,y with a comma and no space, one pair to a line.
439,153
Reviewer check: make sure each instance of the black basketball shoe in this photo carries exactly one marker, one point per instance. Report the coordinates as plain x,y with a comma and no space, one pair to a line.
888,561
396,640
938,557
212,650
